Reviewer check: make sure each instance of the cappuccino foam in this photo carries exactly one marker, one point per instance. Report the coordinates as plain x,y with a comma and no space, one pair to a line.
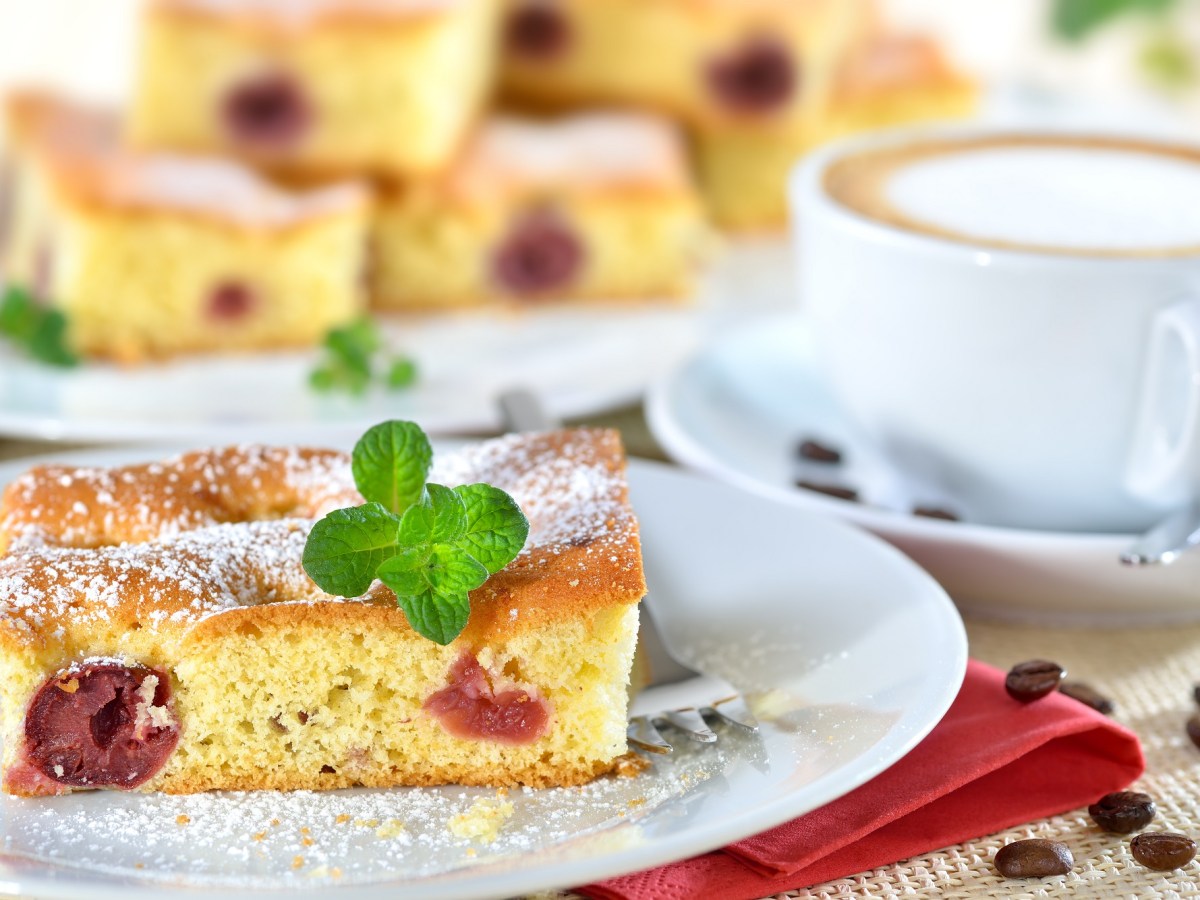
1051,194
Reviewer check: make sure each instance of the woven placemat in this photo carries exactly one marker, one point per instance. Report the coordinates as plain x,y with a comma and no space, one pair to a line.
1149,674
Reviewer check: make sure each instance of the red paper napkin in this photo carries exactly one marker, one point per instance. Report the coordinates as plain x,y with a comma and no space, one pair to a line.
991,763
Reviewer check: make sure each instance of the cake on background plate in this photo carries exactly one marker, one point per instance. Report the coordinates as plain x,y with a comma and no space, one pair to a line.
705,62
153,255
315,88
592,206
200,656
890,80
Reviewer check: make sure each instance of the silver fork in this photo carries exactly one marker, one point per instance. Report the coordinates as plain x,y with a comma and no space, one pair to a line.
675,695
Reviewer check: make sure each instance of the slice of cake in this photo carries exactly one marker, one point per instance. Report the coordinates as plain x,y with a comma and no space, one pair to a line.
594,206
891,80
152,255
315,88
704,61
198,655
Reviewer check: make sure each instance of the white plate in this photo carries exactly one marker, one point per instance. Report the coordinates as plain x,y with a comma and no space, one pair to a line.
579,360
851,653
738,409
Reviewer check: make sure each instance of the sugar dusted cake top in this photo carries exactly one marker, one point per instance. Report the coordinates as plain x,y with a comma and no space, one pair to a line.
218,568
895,60
595,150
80,149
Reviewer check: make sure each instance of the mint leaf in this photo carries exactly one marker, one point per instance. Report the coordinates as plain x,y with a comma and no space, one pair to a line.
390,463
452,571
402,373
345,549
42,332
496,528
1074,20
351,361
48,343
435,594
449,514
430,544
435,617
18,314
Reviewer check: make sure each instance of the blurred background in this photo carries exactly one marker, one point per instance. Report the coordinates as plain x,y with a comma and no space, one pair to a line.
1131,52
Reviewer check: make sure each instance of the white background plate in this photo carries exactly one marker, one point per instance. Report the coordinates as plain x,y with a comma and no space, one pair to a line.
579,360
738,409
853,651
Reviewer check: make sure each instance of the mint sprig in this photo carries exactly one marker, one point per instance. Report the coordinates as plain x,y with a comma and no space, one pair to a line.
430,544
350,361
41,332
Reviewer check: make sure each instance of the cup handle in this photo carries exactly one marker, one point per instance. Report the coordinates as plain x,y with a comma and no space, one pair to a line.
1164,464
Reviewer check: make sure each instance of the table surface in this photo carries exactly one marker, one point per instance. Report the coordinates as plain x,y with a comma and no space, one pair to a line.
1149,673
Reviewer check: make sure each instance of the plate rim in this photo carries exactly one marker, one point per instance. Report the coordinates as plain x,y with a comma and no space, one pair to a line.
578,871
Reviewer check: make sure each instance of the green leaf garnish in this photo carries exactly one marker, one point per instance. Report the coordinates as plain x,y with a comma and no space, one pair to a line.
349,361
495,525
390,463
42,332
344,549
1073,20
430,544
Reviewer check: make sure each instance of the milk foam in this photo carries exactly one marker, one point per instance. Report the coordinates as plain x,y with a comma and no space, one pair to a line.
1062,197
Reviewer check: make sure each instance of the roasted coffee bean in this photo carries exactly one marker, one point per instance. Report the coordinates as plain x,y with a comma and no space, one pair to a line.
1034,858
815,451
1193,728
1087,695
1163,850
833,490
1033,680
935,512
1123,812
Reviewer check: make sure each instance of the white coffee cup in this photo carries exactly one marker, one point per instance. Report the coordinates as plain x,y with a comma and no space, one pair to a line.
1013,316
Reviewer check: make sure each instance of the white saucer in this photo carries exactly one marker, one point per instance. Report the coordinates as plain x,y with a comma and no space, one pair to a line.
738,410
848,651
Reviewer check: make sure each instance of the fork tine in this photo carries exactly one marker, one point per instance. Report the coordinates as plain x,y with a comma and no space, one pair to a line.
643,732
691,723
735,711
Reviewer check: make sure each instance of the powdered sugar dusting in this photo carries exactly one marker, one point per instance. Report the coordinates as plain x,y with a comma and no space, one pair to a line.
572,496
167,545
305,839
591,150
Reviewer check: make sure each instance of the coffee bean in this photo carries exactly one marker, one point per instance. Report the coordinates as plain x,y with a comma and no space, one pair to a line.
1087,695
935,512
1163,850
1123,812
1196,694
815,451
1193,728
1034,858
1033,680
833,490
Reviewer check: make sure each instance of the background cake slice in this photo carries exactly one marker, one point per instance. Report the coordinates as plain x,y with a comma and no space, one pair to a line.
206,659
315,88
153,255
705,62
593,206
888,81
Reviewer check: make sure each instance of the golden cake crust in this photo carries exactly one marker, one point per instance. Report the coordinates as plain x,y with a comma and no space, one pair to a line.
81,150
216,540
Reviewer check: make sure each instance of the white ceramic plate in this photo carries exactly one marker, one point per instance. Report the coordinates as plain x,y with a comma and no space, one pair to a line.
579,360
849,651
738,409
